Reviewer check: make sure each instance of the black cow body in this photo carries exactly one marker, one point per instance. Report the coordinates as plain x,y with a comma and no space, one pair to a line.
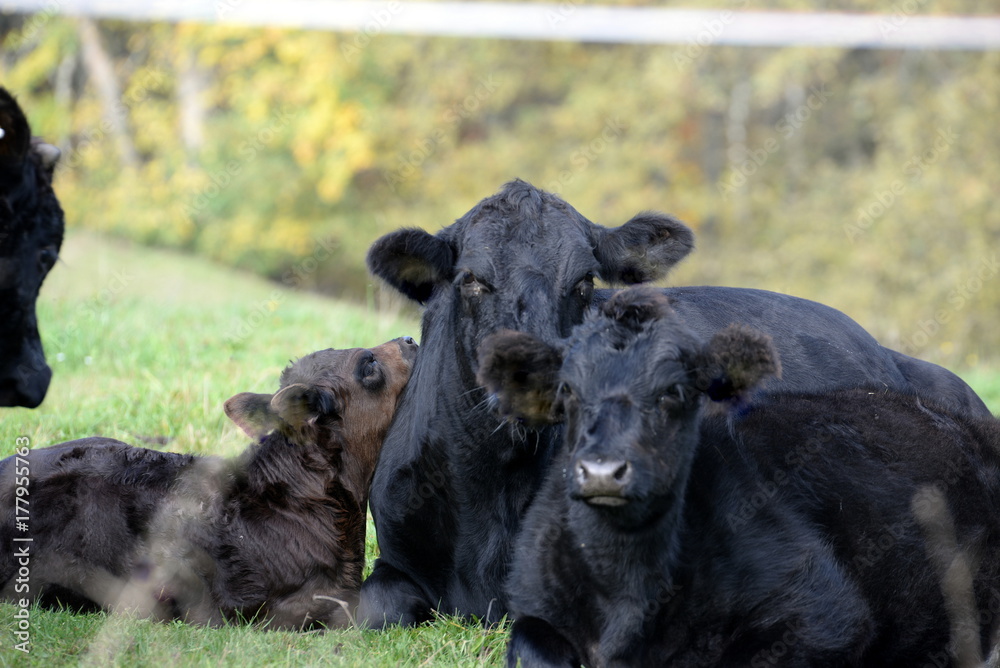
453,481
31,233
852,528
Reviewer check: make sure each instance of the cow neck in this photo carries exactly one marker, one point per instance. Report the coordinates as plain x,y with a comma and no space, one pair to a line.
443,385
627,564
303,485
307,473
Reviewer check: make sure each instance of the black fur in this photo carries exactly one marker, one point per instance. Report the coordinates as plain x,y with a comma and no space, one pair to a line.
801,530
31,234
275,536
453,482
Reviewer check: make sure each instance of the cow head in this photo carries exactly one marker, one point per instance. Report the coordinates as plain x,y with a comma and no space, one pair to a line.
338,400
524,260
31,233
629,384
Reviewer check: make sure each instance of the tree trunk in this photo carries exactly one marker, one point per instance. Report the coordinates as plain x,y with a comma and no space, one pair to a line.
100,69
191,86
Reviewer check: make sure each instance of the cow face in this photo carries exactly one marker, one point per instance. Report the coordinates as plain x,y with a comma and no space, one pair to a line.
524,260
353,391
31,233
629,384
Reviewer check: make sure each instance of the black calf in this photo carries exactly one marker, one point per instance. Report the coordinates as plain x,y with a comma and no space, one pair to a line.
853,528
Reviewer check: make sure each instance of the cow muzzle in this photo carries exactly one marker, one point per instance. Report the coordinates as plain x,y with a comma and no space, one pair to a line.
25,389
602,481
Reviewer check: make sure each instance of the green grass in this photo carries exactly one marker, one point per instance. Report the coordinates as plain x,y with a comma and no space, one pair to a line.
147,344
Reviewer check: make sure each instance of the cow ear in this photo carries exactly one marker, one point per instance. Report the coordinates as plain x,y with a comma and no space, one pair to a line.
47,153
634,307
413,261
300,405
253,414
735,361
522,372
16,137
643,249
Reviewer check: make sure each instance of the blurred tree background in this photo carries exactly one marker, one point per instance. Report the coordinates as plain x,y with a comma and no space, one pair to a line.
863,179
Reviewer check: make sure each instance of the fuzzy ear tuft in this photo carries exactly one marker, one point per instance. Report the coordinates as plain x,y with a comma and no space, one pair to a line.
522,372
413,261
643,249
252,413
735,361
299,405
634,307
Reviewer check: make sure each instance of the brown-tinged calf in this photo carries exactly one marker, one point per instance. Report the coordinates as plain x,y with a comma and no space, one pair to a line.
274,536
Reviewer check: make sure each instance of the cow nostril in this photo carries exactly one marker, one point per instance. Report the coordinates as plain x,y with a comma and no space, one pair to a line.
408,340
601,478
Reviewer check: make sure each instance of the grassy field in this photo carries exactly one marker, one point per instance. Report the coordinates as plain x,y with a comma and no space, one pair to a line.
146,346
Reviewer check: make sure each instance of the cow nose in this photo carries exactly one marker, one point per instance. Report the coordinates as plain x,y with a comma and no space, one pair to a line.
409,340
603,481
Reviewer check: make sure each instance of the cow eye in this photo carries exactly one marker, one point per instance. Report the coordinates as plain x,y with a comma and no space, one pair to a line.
585,288
671,397
371,374
368,367
47,258
471,286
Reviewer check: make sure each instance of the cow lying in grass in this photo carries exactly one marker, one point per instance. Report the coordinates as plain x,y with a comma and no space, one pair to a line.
31,233
851,528
274,536
452,485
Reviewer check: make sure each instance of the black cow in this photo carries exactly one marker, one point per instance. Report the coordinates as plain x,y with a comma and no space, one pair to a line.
853,528
31,233
453,482
275,536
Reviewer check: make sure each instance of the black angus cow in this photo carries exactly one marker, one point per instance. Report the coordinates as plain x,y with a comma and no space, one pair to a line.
453,482
852,528
31,233
275,536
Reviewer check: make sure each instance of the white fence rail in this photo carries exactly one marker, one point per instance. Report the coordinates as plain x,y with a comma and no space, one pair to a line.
569,20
